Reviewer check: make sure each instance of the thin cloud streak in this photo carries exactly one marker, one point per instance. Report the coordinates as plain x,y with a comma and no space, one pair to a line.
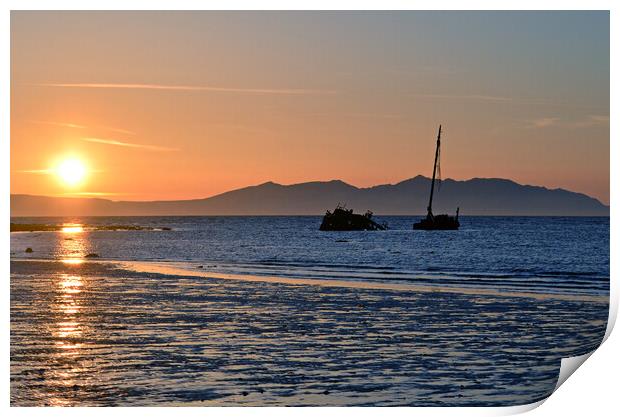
545,122
77,126
91,194
190,88
129,145
50,171
474,97
117,130
390,116
507,100
60,124
35,171
242,128
598,118
589,121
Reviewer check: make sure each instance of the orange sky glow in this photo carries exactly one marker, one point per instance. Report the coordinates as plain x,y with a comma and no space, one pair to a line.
162,106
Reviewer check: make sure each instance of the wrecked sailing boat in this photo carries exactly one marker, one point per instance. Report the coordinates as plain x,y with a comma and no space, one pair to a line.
345,220
441,221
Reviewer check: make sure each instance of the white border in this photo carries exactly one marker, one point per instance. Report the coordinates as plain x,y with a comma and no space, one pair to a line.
595,386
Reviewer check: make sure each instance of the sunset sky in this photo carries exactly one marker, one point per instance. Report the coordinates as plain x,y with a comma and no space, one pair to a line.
179,105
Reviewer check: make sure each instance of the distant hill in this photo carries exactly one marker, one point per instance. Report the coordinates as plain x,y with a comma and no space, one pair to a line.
477,196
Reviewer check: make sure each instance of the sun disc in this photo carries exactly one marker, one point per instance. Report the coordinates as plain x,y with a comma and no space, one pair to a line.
71,171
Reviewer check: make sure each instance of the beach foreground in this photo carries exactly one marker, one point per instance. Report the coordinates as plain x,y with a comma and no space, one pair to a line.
92,333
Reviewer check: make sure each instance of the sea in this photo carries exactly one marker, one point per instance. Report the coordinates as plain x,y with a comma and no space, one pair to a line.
567,255
270,311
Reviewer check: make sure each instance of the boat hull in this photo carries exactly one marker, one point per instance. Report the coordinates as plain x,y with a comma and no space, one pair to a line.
440,222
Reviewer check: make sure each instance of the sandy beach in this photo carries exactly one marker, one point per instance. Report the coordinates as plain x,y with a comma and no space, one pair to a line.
94,333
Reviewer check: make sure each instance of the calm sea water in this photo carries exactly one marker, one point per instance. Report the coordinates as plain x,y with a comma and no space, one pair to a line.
568,255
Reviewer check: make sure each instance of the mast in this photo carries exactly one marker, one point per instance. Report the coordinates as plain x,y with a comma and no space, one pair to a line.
430,201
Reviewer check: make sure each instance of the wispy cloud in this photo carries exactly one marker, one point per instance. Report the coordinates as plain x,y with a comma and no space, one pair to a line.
46,171
598,118
588,121
78,126
509,100
242,128
60,124
129,145
283,91
35,171
389,116
591,120
544,122
474,97
116,129
90,194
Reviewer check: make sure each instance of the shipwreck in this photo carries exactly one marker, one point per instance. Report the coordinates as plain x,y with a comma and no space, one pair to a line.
343,219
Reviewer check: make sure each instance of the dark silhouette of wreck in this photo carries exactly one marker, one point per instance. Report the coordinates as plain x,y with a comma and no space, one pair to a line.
345,220
441,221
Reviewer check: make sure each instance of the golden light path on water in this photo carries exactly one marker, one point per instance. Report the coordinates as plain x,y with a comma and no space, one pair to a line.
68,332
69,287
78,228
73,243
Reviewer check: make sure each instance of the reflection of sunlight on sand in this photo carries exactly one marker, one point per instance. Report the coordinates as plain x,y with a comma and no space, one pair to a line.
180,269
73,261
68,329
69,348
59,402
71,284
69,287
68,332
65,379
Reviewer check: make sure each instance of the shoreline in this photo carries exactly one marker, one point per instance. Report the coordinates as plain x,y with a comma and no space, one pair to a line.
179,268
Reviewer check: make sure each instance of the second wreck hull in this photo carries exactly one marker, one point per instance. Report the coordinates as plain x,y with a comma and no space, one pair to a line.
440,222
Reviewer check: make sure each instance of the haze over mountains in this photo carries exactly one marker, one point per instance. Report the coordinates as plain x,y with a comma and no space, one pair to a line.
477,196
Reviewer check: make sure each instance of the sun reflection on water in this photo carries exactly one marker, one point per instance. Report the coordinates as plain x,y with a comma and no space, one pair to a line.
73,243
72,228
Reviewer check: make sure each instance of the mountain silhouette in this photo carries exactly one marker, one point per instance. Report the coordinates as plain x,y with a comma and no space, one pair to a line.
477,196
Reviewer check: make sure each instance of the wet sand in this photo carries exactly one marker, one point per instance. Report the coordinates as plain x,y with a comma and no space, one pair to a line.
94,333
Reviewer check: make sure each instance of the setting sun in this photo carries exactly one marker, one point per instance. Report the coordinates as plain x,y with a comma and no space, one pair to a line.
71,171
